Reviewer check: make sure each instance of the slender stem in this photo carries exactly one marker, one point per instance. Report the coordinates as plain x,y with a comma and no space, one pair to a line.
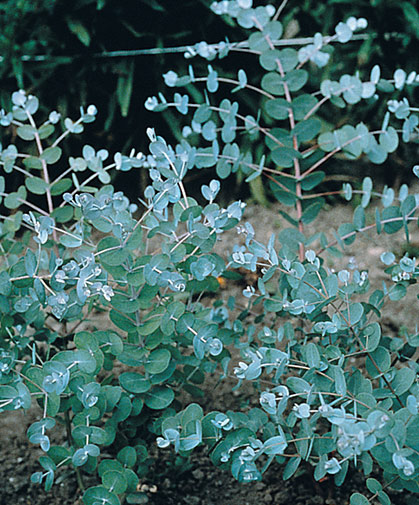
275,181
182,187
19,169
70,440
279,10
318,104
297,170
336,150
89,179
64,134
61,176
265,131
237,83
44,164
366,228
374,496
29,204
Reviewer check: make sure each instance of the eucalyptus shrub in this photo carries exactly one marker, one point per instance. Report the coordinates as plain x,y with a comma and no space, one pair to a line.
103,323
86,253
311,322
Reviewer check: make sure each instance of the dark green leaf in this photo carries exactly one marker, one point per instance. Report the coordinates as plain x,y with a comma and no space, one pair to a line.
134,382
99,494
36,185
159,397
51,155
158,361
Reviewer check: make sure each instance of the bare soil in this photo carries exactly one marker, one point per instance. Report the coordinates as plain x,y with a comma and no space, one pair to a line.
200,483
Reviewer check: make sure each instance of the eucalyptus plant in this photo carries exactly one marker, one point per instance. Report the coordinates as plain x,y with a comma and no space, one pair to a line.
85,252
103,319
311,322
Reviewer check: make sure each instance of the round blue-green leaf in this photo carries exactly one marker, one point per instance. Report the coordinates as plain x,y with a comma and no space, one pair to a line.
387,197
212,81
126,305
373,485
389,139
30,263
36,185
100,495
13,200
312,355
86,340
268,59
397,292
278,108
80,457
302,105
312,211
312,180
132,480
137,498
359,217
380,359
291,467
391,214
327,142
356,310
377,154
370,336
258,42
127,456
158,361
45,131
159,397
71,240
273,83
202,113
359,499
296,79
173,312
51,155
209,131
106,465
403,380
36,477
307,130
115,481
387,258
340,383
273,29
134,382
347,233
63,214
366,188
61,186
123,410
284,156
298,385
110,342
85,361
116,255
26,132
275,445
288,58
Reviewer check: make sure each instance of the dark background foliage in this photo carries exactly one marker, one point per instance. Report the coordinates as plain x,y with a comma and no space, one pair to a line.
72,36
